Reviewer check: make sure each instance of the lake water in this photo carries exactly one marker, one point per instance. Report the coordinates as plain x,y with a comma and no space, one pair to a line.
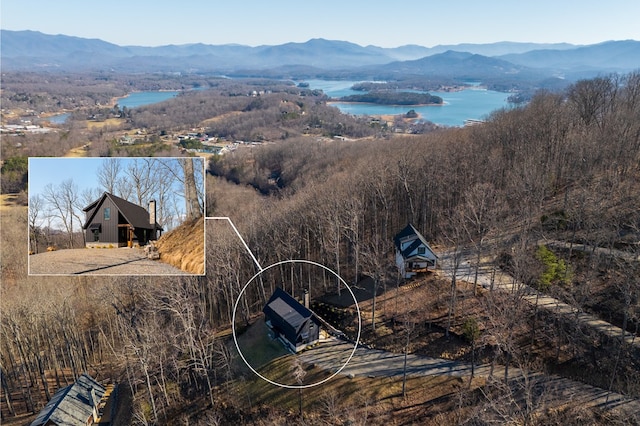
59,118
473,103
132,100
138,99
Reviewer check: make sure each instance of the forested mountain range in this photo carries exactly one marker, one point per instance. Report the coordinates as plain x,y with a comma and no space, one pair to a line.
612,55
34,50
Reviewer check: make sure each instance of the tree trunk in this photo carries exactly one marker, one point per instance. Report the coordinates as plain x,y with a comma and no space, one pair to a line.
300,404
475,278
452,303
373,306
190,191
6,391
150,389
473,361
404,368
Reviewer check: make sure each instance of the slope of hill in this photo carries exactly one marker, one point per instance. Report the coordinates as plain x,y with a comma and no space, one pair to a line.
183,247
321,52
456,65
16,44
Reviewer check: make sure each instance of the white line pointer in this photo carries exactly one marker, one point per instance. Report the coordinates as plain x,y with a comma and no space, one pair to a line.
239,236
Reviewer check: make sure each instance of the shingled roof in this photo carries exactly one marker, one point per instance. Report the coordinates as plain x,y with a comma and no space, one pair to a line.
135,215
409,232
72,405
283,305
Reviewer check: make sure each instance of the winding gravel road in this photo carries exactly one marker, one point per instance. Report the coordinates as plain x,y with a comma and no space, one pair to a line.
491,277
332,354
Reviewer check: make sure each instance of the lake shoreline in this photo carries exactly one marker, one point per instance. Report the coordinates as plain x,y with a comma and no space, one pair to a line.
117,100
385,105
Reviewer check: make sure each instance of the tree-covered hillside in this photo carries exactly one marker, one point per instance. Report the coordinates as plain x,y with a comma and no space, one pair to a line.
561,172
394,98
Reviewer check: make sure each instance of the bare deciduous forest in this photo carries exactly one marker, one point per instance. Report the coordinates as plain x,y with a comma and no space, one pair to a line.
548,192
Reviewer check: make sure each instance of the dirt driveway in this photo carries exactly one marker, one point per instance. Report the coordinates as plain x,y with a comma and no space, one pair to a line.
116,261
332,354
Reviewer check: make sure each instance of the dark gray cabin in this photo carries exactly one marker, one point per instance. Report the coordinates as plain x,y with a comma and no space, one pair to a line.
114,221
294,324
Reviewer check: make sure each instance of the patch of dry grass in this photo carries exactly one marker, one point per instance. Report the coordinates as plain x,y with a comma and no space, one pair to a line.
219,118
9,202
183,247
81,151
111,122
257,348
343,400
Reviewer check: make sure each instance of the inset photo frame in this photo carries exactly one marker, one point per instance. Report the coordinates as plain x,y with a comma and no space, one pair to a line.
116,216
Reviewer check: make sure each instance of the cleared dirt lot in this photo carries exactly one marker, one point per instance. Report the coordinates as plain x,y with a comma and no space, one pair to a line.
116,261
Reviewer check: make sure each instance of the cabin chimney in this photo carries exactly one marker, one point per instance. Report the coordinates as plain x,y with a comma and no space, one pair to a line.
306,298
152,212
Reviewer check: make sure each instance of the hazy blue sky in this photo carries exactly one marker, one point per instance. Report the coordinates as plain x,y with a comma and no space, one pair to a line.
46,170
385,24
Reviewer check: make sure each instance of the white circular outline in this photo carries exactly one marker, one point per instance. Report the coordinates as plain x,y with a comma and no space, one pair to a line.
233,324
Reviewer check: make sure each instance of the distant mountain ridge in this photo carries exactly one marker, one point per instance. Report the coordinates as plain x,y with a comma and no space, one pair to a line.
453,62
32,50
409,52
611,55
36,44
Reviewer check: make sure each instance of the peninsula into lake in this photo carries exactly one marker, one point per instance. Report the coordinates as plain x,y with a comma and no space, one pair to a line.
387,97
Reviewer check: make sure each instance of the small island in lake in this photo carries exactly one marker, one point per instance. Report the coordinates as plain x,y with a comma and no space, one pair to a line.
388,97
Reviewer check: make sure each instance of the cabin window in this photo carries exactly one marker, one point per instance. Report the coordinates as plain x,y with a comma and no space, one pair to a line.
107,213
422,250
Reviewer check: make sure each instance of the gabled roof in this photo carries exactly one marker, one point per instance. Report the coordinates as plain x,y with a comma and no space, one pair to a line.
134,214
286,307
72,405
408,233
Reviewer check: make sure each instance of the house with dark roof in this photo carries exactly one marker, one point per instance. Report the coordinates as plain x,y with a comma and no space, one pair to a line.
290,321
112,220
413,253
81,403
